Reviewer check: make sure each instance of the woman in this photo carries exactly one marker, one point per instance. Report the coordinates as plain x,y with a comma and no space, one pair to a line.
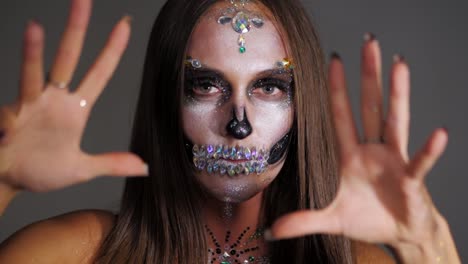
234,122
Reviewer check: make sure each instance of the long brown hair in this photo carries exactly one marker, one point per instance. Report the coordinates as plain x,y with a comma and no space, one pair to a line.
159,219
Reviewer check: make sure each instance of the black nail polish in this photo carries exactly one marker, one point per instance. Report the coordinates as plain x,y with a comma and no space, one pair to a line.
128,18
335,55
398,58
368,36
2,134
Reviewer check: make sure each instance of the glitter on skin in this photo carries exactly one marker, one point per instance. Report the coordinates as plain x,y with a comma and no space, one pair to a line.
227,211
249,81
236,160
220,159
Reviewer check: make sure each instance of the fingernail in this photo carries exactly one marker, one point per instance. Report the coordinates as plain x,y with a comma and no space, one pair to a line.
2,134
146,169
445,129
268,236
335,55
368,36
398,58
128,19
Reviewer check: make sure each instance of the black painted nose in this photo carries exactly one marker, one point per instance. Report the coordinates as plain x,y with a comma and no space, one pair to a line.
239,129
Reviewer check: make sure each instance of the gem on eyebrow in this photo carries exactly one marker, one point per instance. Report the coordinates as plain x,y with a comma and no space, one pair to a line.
285,64
194,63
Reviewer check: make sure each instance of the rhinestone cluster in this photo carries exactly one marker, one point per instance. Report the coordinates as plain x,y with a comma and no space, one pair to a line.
285,64
219,159
241,21
238,251
194,63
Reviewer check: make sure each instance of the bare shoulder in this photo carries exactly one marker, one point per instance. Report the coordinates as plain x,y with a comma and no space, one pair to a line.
69,238
369,253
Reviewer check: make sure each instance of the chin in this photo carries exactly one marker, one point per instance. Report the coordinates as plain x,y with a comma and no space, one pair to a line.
238,188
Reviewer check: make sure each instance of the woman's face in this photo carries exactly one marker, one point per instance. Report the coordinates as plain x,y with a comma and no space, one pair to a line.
237,109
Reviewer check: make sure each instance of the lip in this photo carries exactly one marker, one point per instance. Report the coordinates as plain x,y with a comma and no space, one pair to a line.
235,161
227,153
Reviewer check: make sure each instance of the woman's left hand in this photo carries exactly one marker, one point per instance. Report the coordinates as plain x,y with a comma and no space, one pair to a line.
382,197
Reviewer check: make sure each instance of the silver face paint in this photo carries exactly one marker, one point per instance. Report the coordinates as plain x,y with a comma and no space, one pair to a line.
254,83
235,170
202,85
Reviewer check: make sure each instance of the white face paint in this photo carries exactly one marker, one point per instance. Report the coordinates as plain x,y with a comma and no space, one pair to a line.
248,85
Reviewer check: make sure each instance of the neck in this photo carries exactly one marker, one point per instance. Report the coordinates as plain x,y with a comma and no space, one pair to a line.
233,215
232,228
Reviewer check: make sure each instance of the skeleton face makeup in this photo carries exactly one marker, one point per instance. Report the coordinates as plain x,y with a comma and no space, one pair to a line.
237,110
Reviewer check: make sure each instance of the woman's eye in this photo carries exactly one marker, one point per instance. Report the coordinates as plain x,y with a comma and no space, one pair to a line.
270,90
205,89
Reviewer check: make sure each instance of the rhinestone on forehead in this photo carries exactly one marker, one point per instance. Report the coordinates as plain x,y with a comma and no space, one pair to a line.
285,64
240,23
238,3
241,20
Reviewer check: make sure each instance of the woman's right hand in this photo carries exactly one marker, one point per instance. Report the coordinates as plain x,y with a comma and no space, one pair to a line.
40,133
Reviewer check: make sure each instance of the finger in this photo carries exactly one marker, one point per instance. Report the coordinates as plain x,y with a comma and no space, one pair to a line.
114,164
100,73
398,117
7,122
71,43
303,223
425,159
371,89
32,79
341,108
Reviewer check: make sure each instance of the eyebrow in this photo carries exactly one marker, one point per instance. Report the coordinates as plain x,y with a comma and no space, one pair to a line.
219,74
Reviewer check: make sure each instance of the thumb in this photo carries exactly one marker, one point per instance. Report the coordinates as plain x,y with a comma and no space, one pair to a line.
426,158
122,164
306,222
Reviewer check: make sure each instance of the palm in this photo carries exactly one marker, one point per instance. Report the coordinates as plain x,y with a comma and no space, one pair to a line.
41,147
381,197
376,196
46,141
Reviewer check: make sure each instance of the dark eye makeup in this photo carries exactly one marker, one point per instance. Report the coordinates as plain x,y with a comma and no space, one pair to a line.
206,84
271,86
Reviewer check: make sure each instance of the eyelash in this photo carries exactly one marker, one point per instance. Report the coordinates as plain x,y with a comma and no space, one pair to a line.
281,85
198,87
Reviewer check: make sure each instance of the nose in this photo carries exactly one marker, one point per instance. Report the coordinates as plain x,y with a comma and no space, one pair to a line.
239,127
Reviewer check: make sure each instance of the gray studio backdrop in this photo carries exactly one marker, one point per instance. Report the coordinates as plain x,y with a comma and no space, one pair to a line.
431,34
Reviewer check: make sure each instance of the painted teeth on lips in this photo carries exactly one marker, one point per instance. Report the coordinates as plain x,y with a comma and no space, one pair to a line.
231,161
225,152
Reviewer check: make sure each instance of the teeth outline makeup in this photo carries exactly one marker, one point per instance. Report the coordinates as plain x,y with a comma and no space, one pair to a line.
224,159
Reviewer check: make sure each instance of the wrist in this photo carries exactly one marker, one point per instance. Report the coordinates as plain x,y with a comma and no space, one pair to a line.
437,247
